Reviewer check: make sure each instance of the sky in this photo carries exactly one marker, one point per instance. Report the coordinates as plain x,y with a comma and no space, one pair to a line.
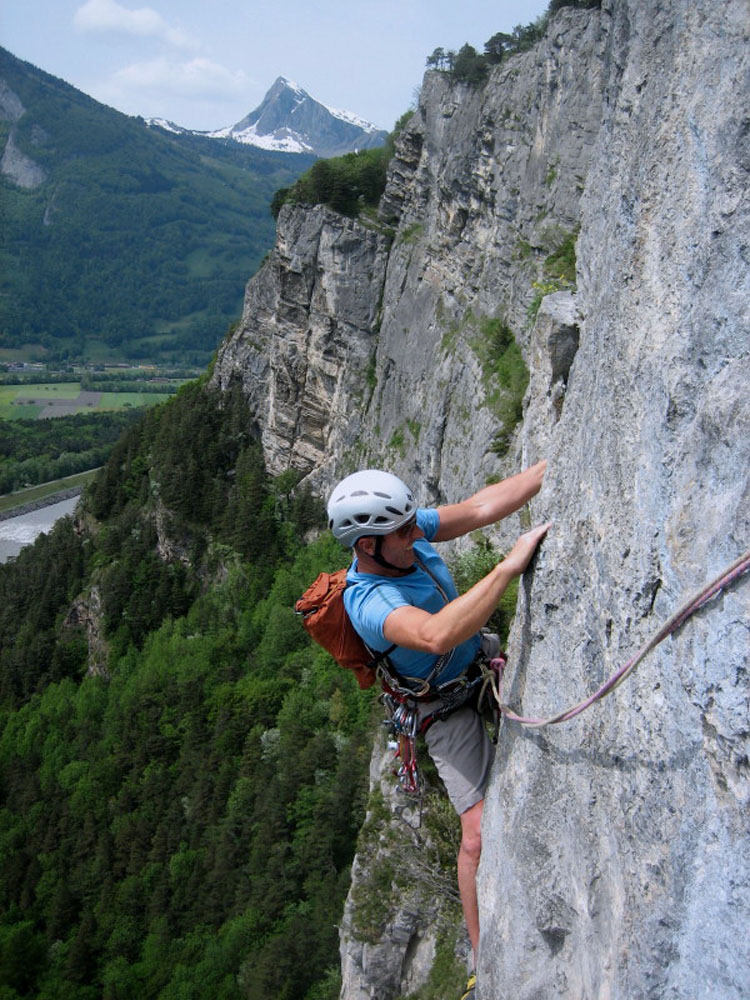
205,64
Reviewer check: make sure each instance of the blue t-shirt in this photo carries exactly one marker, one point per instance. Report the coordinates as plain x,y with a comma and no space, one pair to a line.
370,598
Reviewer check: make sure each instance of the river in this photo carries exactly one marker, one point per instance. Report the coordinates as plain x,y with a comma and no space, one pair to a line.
16,532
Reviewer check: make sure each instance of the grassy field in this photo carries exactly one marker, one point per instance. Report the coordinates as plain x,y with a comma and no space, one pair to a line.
63,398
22,497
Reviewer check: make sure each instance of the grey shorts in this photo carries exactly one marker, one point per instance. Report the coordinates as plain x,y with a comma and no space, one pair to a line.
463,754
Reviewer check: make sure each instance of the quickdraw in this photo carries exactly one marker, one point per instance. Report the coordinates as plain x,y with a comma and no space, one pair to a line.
404,722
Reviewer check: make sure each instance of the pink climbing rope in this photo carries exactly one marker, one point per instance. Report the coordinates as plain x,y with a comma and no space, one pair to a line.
725,578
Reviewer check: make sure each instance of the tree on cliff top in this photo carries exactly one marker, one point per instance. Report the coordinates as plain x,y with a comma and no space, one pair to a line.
469,66
348,183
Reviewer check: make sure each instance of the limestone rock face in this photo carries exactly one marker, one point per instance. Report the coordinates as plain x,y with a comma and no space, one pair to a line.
355,343
86,612
11,106
307,338
19,168
398,960
615,846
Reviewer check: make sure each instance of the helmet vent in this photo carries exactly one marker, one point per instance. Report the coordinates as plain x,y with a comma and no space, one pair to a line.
385,496
394,510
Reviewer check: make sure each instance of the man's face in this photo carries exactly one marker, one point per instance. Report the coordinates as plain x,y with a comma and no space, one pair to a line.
398,546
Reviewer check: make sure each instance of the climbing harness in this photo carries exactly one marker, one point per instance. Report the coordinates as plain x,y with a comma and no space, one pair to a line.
401,697
497,665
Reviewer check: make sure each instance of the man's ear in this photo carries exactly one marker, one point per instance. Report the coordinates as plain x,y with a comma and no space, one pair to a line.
365,545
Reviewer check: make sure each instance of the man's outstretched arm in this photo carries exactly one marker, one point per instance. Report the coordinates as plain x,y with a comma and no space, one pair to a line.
462,617
490,504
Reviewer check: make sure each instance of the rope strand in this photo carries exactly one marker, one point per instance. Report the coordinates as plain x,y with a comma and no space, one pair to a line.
724,579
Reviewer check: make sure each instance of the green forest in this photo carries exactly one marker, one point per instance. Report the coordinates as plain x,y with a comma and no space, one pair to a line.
179,816
37,451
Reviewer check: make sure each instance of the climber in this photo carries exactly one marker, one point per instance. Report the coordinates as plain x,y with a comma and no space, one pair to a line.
400,593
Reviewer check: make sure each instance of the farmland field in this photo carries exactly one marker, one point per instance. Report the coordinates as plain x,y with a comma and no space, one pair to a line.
95,408
66,398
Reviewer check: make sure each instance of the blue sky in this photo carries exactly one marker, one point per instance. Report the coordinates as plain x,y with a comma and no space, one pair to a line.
205,64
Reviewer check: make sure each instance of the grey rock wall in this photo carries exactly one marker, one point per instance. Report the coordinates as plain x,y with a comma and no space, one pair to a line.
19,168
616,845
304,350
355,342
398,960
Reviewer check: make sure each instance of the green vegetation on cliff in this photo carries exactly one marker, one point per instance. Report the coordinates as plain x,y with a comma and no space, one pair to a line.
348,184
344,183
179,822
469,66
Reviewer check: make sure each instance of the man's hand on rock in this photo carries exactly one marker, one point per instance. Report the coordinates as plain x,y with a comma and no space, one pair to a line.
520,555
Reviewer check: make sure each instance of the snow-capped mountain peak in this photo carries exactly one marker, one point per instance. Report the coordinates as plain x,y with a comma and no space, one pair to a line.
289,120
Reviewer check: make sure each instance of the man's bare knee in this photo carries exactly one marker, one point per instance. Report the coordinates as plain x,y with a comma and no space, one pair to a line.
471,850
471,832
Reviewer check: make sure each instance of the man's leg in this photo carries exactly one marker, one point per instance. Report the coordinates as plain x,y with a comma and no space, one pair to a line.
463,754
468,862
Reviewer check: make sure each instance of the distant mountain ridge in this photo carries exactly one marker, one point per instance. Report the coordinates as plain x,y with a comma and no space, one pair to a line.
289,120
117,240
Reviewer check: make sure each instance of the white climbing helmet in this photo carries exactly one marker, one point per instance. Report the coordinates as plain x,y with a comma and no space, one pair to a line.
370,502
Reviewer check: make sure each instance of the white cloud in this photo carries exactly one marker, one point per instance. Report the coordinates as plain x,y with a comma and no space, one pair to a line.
143,22
199,79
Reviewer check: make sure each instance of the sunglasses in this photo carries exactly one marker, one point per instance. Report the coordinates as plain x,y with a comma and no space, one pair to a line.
406,528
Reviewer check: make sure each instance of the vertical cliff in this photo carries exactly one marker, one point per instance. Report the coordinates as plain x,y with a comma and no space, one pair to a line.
364,341
615,845
616,862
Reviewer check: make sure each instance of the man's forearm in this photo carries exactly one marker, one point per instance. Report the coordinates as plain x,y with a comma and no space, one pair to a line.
415,628
500,499
457,621
490,504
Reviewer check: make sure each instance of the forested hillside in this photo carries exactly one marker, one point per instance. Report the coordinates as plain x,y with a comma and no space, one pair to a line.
118,240
38,451
183,776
